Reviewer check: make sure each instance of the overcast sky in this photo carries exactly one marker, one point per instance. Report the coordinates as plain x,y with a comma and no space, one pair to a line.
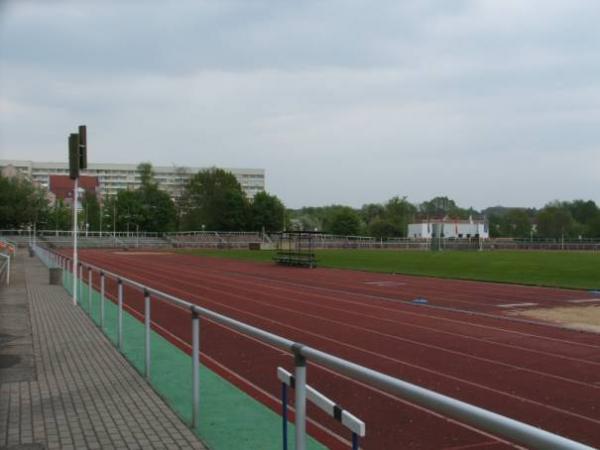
487,102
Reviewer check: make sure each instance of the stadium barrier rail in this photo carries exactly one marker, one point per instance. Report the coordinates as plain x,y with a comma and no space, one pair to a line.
496,424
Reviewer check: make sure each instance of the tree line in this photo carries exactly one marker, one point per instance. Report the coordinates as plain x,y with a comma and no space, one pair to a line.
572,220
213,199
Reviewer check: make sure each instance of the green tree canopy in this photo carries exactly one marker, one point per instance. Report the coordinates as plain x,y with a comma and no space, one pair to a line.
344,221
214,199
382,229
266,211
371,212
60,216
515,222
556,221
399,212
147,208
146,174
439,207
21,203
90,211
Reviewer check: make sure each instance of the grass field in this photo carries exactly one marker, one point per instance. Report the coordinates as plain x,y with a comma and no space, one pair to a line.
559,269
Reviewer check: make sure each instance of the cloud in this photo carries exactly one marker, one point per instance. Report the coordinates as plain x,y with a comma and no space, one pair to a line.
412,98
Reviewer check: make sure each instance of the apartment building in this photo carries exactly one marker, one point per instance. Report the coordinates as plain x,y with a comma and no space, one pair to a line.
116,177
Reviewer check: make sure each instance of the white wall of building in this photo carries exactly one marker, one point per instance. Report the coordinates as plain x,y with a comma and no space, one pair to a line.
454,230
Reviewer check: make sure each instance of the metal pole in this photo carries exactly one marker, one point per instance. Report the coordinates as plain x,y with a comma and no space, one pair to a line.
90,291
75,256
284,414
354,441
102,299
120,315
147,320
300,404
80,283
195,369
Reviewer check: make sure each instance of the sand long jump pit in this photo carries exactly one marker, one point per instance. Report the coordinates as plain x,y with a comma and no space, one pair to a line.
585,318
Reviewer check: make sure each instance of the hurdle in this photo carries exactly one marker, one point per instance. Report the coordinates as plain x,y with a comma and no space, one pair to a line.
354,424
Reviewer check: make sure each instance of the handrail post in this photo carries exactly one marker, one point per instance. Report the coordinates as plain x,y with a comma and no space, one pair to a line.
284,414
354,441
147,320
102,300
120,315
80,283
195,369
90,291
300,391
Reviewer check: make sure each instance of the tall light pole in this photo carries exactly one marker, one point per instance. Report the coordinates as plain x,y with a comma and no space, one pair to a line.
77,161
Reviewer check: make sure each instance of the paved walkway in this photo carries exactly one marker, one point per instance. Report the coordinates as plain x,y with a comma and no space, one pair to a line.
63,385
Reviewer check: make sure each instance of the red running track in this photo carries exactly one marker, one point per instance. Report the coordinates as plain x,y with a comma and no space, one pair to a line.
461,345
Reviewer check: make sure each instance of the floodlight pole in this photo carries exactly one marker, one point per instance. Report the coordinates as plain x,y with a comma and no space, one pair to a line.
75,189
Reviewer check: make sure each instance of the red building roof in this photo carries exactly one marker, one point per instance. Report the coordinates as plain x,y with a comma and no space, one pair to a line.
62,185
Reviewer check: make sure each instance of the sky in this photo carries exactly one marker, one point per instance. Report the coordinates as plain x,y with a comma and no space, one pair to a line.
342,101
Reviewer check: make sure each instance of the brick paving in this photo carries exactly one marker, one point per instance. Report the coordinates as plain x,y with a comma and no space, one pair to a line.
73,390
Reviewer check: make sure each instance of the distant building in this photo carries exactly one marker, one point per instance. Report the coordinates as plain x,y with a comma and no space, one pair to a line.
62,187
116,177
450,228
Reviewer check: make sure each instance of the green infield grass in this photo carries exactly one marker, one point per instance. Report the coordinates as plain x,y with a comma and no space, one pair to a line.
579,270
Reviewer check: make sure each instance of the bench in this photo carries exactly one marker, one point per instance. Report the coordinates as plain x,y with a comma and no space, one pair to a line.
296,259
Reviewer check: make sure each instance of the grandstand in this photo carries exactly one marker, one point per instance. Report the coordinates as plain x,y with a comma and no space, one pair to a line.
217,239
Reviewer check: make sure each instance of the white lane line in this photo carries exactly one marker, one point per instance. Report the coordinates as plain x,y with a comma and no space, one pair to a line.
516,305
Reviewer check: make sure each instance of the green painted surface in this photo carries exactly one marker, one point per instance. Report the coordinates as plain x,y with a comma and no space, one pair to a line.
572,269
229,418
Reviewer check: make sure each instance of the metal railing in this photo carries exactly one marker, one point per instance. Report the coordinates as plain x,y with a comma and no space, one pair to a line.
7,249
498,425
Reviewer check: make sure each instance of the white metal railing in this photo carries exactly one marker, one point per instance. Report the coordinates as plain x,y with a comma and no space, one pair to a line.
479,418
238,239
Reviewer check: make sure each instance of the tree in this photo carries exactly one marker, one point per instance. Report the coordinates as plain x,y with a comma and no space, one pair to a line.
518,223
146,174
90,211
158,210
304,222
399,213
344,221
582,211
371,212
21,203
382,229
440,207
556,221
267,212
129,211
60,216
593,227
214,199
